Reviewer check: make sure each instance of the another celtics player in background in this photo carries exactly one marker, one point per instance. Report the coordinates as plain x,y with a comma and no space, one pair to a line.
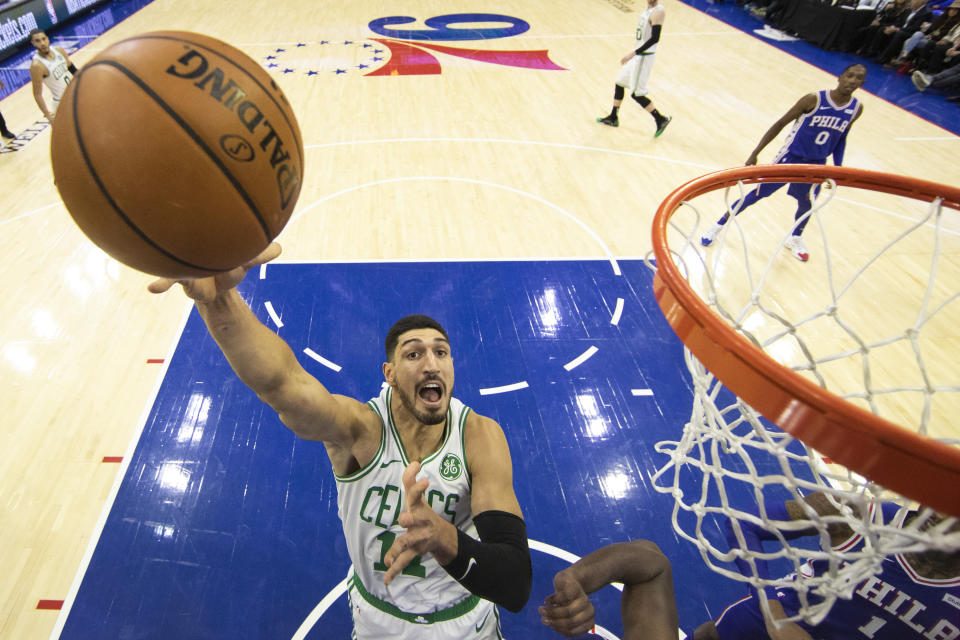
420,477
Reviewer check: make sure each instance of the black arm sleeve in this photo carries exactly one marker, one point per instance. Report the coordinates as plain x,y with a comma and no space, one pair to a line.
72,68
496,568
652,40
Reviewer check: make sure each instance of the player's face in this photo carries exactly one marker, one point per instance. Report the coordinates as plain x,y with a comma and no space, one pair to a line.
41,42
421,373
852,79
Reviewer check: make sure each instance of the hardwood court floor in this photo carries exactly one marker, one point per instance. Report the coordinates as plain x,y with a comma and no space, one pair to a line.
480,161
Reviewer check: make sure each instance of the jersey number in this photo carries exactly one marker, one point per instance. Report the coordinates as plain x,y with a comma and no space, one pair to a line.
413,569
822,137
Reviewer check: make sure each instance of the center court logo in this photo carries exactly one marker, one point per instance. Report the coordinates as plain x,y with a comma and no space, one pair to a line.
450,467
411,51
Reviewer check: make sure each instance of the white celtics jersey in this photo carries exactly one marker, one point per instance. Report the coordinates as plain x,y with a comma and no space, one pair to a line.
58,77
644,29
370,502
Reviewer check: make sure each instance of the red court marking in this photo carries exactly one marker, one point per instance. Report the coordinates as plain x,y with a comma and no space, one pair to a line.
827,460
154,360
112,459
50,605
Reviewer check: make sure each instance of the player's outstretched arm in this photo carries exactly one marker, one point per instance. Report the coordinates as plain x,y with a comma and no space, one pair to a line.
804,105
264,362
647,606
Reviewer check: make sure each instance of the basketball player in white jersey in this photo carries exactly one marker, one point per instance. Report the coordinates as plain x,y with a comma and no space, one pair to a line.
420,477
51,67
637,66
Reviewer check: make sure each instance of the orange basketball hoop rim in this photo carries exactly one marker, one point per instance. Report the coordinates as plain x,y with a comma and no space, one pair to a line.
917,467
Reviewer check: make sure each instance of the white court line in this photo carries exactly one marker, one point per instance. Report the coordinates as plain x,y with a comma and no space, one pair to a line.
505,388
930,225
273,314
579,360
535,143
311,620
319,358
543,144
30,213
117,481
263,271
950,138
576,220
617,312
642,392
321,608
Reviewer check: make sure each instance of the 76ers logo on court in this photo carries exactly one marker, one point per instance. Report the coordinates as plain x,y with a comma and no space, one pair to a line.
414,58
412,51
450,467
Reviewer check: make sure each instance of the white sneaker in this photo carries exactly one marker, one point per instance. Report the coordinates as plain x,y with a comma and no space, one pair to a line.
798,248
711,234
921,80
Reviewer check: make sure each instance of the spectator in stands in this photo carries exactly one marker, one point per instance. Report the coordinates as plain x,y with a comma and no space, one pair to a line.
947,80
888,15
937,33
940,55
895,44
907,23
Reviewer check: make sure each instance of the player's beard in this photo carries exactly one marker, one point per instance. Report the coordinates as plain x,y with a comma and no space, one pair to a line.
426,418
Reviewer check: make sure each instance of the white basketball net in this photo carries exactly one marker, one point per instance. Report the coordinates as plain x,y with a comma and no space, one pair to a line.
812,318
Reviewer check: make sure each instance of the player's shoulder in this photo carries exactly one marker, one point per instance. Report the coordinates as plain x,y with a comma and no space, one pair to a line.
481,423
37,67
482,433
809,101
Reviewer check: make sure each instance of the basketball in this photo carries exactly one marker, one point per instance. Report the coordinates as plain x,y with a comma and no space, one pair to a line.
177,154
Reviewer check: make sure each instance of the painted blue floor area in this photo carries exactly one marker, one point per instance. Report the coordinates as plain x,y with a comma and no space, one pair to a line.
226,524
883,83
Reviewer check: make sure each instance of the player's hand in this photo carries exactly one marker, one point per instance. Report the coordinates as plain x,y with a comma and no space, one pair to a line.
207,289
426,532
627,58
752,160
567,610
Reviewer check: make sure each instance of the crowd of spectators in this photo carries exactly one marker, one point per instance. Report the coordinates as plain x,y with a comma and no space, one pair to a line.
916,37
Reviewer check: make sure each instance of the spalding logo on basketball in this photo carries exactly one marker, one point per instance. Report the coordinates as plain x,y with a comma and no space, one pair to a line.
177,154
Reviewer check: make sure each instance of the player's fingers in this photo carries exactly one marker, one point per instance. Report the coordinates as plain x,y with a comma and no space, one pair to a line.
399,564
161,285
201,289
410,475
569,623
270,253
400,544
416,492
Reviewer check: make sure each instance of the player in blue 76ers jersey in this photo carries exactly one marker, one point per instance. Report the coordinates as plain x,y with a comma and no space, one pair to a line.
822,121
913,596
